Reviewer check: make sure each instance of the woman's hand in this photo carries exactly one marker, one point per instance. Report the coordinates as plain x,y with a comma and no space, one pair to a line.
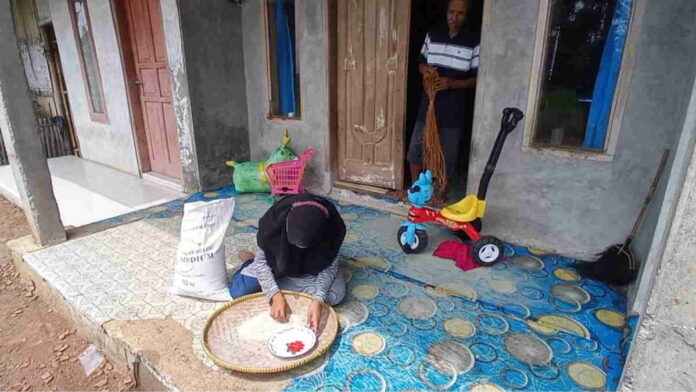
314,315
279,307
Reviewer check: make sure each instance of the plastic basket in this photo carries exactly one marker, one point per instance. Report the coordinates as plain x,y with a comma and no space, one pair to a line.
286,177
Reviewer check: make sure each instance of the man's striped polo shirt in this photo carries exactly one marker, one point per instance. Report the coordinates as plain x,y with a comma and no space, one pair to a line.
454,57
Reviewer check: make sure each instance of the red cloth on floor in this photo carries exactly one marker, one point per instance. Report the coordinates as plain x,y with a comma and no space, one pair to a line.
457,251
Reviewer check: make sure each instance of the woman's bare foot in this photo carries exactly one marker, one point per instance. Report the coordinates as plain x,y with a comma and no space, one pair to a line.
245,255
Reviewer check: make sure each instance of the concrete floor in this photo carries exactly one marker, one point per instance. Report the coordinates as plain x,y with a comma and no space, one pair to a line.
115,283
88,192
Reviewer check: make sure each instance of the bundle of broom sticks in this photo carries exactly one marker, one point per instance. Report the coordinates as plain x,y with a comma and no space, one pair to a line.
433,157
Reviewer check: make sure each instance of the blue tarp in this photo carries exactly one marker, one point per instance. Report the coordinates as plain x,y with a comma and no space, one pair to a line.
285,55
605,85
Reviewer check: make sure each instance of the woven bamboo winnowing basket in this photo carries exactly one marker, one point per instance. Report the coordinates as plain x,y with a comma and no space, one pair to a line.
227,349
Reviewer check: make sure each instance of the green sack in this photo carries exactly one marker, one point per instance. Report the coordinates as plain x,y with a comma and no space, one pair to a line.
250,177
282,154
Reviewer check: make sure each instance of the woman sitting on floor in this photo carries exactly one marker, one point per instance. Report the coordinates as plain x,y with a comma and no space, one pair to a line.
299,238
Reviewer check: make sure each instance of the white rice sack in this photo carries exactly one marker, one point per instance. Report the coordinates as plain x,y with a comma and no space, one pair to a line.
200,259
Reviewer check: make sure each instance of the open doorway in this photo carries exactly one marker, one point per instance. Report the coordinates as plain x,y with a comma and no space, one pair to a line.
60,113
378,90
425,16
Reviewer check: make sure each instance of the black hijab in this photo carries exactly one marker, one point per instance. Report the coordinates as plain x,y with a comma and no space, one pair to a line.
301,235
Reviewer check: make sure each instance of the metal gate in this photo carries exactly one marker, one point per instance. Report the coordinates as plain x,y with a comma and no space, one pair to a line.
53,135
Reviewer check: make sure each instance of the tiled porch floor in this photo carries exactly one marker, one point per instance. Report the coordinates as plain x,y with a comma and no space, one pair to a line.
528,324
88,192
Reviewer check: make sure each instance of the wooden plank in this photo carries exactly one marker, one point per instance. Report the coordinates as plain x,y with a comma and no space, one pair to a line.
370,81
382,127
401,31
355,76
340,71
384,122
361,188
157,30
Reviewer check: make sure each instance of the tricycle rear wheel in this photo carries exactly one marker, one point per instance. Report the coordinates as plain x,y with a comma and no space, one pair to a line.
487,250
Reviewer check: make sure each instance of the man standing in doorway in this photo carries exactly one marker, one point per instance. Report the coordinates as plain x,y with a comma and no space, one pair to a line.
453,52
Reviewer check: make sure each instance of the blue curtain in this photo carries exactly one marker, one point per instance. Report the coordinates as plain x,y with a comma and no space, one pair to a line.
604,87
285,55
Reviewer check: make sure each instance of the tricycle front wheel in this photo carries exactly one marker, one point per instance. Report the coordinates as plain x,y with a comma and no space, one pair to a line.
420,240
487,250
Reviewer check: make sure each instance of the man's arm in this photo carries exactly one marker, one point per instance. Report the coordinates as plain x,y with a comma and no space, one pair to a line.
425,69
455,84
423,66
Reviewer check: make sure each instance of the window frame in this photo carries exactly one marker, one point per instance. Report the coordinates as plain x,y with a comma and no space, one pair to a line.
620,93
101,117
270,116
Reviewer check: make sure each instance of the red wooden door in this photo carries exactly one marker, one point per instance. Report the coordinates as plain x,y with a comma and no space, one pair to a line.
150,56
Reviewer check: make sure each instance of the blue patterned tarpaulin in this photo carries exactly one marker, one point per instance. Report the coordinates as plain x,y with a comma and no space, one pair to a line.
418,322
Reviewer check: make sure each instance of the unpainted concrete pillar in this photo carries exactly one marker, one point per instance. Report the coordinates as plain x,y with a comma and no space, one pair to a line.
20,133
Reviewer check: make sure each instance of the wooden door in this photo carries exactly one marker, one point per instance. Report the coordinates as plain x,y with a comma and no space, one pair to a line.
150,57
372,50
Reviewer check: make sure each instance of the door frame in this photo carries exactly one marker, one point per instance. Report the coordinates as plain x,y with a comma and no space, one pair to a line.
332,52
118,8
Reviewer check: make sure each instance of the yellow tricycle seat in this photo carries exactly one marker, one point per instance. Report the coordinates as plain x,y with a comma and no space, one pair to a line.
465,210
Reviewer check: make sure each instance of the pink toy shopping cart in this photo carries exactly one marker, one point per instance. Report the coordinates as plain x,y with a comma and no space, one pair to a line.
286,177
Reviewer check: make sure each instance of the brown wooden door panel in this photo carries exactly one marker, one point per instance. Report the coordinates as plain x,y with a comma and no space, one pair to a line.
155,123
150,56
372,49
149,83
142,37
157,29
172,137
164,83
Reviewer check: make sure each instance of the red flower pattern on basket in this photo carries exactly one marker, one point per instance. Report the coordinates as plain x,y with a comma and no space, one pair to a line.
295,347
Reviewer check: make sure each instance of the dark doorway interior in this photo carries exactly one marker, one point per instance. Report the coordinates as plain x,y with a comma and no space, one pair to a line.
424,15
62,118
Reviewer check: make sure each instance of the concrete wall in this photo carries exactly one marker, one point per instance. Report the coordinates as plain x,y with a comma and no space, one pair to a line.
43,11
18,130
111,144
663,354
312,130
32,50
650,240
213,51
180,91
571,205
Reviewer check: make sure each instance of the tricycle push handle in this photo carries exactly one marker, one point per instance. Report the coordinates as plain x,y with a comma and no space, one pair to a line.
511,116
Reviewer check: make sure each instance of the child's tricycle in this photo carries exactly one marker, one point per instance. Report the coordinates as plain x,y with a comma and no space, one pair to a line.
463,217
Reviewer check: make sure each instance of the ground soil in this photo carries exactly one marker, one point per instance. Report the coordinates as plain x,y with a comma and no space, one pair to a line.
39,349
